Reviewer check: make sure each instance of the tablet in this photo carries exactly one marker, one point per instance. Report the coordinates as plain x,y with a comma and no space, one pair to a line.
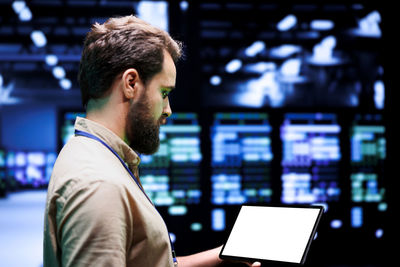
272,233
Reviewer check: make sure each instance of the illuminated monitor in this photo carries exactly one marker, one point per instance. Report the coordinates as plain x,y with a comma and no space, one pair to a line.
67,128
2,158
241,159
328,57
310,158
29,168
2,172
368,154
171,177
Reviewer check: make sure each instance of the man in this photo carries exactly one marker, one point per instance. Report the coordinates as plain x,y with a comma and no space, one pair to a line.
97,213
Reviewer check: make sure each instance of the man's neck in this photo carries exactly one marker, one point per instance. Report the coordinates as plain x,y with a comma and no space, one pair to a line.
110,118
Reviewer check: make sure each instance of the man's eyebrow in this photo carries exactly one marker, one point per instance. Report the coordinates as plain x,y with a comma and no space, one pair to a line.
170,88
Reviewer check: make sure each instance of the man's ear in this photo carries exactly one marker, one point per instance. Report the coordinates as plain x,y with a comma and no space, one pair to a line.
130,81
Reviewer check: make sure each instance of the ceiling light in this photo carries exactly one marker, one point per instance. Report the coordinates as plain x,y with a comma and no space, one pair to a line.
51,60
25,14
59,72
322,25
255,49
18,6
38,38
233,65
65,84
287,23
215,80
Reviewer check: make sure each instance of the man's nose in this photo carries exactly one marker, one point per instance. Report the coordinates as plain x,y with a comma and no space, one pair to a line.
167,108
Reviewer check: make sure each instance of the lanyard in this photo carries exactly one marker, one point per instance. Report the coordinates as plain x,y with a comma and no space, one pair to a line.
91,136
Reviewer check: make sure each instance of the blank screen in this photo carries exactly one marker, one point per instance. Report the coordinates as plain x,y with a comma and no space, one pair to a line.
271,233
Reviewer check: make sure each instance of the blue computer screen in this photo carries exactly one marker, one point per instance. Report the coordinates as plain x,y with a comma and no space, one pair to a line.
241,158
2,158
368,154
67,127
310,158
2,170
171,177
314,55
29,168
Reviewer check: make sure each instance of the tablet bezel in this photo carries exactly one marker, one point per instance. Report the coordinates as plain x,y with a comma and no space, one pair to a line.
310,239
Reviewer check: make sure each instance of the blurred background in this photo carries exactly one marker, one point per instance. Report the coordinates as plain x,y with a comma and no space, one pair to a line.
277,102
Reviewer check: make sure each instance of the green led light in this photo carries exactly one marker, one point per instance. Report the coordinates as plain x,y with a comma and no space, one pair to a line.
180,129
382,206
196,227
369,129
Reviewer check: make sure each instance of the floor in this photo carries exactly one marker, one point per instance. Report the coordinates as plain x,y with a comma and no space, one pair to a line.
21,229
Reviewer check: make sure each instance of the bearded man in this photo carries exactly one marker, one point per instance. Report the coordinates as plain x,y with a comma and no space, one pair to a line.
97,213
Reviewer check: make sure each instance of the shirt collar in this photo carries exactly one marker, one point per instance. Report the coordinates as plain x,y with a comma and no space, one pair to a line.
126,153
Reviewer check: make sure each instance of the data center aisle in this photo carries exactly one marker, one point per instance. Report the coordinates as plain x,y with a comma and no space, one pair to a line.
21,229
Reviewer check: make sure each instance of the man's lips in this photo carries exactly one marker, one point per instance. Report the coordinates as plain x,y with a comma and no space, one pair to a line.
163,120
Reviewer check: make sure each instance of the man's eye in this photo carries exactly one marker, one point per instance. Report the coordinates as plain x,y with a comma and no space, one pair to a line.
164,94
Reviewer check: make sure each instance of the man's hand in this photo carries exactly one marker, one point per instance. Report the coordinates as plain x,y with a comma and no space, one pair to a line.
255,264
210,258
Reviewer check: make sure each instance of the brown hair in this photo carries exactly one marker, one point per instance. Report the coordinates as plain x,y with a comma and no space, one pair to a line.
118,44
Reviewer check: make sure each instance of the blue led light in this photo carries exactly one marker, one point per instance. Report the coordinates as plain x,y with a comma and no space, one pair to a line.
322,25
356,217
177,210
33,172
36,158
254,49
218,219
369,26
382,206
65,84
233,66
184,5
38,38
51,60
285,50
196,227
215,80
59,72
379,233
336,224
287,23
291,67
259,67
18,6
379,94
323,52
25,14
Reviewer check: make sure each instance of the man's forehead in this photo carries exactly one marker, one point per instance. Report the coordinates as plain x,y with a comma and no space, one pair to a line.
169,70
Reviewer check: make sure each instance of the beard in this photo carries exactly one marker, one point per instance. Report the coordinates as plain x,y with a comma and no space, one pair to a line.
143,133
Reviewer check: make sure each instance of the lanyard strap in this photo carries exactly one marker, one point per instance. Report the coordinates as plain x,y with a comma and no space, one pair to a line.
91,136
77,132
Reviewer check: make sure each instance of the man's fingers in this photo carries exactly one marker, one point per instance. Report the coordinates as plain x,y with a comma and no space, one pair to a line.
255,264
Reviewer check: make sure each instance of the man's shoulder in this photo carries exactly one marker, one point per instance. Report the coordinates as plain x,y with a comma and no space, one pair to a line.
84,151
83,162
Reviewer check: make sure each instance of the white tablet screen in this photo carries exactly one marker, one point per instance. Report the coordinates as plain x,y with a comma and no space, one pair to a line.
271,233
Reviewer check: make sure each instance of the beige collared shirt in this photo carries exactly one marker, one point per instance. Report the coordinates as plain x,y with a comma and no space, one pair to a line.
96,215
